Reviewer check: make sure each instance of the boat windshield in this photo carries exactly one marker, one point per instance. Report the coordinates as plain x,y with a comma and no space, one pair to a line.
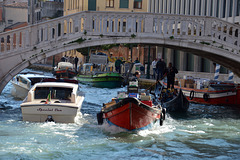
55,92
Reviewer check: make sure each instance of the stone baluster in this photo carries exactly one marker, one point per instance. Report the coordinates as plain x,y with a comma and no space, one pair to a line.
17,40
170,32
55,27
11,42
160,24
155,27
139,29
115,24
133,27
100,24
96,24
110,30
198,28
5,43
176,27
105,24
80,27
121,25
192,28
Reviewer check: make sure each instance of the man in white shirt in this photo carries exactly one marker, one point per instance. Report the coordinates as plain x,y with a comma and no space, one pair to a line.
154,63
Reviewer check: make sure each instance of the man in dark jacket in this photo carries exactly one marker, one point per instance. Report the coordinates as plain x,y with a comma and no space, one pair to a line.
118,63
160,67
171,71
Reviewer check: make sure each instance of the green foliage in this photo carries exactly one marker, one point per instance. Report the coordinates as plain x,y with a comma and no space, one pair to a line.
108,46
83,51
172,37
79,40
133,35
207,43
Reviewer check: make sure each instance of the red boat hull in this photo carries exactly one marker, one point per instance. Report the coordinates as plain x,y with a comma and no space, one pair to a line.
219,97
132,114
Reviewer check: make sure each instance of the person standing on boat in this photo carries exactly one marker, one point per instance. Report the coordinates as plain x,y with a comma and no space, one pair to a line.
160,67
76,62
154,63
137,76
118,64
171,71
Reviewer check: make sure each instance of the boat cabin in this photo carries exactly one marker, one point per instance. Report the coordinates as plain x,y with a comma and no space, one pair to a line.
52,91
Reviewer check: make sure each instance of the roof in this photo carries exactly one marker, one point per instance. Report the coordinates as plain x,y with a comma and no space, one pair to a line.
56,84
18,5
15,26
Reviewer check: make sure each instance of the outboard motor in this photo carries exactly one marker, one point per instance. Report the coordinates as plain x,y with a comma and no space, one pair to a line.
49,119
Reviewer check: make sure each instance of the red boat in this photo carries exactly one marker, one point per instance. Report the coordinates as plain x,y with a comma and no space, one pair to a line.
131,113
214,93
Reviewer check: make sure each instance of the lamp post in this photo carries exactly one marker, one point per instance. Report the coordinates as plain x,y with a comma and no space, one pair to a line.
148,64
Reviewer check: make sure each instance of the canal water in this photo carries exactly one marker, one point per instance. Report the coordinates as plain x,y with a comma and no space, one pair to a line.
205,132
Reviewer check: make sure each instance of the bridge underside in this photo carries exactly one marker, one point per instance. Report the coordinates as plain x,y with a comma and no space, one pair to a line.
17,62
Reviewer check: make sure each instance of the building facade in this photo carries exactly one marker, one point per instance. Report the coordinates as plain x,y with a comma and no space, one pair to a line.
228,10
225,9
74,6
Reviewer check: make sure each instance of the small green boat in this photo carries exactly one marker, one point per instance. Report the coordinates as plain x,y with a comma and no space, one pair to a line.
99,79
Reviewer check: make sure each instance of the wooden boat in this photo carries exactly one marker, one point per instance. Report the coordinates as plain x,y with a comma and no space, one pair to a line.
173,100
52,101
65,70
177,104
131,111
212,92
24,81
99,78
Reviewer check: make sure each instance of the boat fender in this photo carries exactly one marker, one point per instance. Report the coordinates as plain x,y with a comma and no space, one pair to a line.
205,96
192,94
161,120
100,118
164,113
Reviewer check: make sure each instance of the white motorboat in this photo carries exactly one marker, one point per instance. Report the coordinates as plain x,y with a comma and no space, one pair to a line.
23,82
52,101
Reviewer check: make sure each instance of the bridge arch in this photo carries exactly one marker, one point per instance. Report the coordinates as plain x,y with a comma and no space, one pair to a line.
221,56
207,37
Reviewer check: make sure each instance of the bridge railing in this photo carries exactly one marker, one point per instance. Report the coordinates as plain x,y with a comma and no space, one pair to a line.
207,30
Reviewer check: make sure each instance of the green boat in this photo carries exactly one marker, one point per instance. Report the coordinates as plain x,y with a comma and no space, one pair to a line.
98,78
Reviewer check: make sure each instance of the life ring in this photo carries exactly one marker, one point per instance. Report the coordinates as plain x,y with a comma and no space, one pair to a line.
205,96
192,94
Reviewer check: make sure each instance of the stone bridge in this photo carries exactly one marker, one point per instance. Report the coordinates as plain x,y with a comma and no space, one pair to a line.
207,37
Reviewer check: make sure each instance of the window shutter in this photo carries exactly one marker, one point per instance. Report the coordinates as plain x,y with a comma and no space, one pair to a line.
124,3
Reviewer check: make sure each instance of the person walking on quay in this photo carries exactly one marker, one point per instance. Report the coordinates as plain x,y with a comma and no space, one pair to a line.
118,63
76,62
160,67
171,71
136,61
154,63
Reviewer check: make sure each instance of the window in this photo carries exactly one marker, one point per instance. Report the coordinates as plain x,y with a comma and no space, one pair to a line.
10,21
124,3
137,4
109,3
